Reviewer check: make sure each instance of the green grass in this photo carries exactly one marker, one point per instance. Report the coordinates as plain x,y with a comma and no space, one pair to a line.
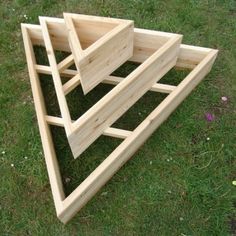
178,183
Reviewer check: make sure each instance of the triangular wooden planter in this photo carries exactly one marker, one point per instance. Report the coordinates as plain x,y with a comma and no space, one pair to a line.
147,44
99,46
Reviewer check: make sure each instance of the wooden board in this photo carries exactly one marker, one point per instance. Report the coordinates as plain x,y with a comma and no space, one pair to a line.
108,44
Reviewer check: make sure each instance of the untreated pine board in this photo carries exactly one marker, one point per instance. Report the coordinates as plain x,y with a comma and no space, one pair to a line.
106,53
88,188
106,111
112,132
67,62
114,80
157,87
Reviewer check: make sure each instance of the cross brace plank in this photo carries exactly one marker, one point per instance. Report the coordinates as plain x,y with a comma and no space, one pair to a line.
114,80
112,132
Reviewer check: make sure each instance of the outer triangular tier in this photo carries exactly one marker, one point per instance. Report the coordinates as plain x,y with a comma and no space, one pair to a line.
199,60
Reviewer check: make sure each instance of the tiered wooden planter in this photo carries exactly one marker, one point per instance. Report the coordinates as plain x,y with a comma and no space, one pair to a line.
157,52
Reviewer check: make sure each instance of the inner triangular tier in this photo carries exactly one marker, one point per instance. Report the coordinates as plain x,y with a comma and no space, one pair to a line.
99,46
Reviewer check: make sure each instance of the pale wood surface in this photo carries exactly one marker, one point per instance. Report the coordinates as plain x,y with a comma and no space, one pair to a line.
67,62
112,132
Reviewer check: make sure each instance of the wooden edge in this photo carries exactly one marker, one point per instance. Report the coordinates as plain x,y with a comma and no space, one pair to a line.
56,76
96,18
112,132
155,32
67,62
73,38
88,188
45,133
52,19
117,133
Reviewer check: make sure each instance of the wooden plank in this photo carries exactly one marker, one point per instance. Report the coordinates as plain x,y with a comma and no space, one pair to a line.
96,62
162,88
67,62
117,133
112,132
71,84
53,120
47,143
42,69
88,188
56,76
106,111
157,87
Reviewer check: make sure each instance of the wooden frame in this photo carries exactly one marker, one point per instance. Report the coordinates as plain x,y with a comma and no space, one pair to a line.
92,39
200,60
82,132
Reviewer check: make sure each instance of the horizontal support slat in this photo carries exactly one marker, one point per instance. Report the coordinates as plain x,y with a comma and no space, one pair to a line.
117,133
53,120
67,62
44,69
158,87
114,80
112,132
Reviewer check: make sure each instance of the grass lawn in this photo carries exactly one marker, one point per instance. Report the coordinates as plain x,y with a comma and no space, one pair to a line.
178,183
